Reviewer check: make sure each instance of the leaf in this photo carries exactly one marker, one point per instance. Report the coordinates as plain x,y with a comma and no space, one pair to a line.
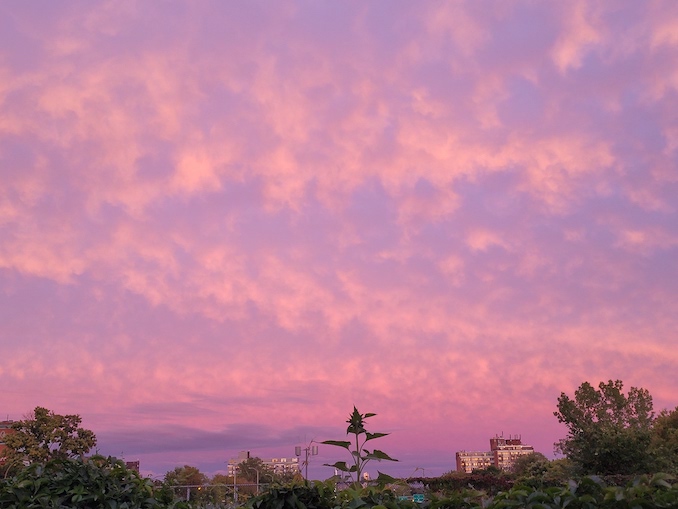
379,455
385,478
372,436
339,443
356,502
339,465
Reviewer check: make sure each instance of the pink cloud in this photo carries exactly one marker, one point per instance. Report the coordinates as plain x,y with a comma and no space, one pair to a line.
252,219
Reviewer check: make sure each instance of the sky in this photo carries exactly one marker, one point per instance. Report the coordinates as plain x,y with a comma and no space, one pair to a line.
224,224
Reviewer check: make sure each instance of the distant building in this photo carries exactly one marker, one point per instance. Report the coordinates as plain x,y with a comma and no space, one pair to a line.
468,461
132,465
277,465
502,454
282,465
234,462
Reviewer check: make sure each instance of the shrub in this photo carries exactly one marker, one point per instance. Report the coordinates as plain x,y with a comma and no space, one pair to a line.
94,483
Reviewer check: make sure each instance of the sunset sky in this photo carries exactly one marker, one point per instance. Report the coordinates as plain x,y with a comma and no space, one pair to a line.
223,224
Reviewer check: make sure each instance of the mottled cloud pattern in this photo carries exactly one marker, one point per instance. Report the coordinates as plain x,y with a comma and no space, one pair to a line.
223,224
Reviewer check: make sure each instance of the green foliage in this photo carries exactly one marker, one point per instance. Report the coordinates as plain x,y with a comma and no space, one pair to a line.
324,495
372,497
530,464
95,483
359,455
45,436
608,432
592,493
664,442
221,488
191,478
455,482
315,495
589,493
536,471
462,499
253,469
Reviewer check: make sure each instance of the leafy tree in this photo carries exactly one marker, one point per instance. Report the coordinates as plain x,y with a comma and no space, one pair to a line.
558,472
530,464
537,471
608,432
359,455
664,442
190,479
254,469
222,487
488,470
45,436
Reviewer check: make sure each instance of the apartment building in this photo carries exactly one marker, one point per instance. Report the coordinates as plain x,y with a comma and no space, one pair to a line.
502,454
277,465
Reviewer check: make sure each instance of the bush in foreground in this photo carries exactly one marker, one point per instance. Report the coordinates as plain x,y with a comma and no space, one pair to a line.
93,483
655,491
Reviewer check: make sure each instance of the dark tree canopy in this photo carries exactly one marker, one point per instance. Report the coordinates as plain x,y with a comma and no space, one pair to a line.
45,436
185,476
529,462
191,481
608,432
253,469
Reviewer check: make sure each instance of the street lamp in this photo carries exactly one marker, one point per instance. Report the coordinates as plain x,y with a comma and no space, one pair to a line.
309,449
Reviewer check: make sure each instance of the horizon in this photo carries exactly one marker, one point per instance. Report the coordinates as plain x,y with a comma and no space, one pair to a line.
319,471
223,225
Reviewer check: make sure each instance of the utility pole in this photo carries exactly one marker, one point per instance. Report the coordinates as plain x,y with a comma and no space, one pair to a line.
235,486
308,450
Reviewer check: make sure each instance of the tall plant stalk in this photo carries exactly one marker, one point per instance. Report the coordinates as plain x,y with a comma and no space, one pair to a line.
359,456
